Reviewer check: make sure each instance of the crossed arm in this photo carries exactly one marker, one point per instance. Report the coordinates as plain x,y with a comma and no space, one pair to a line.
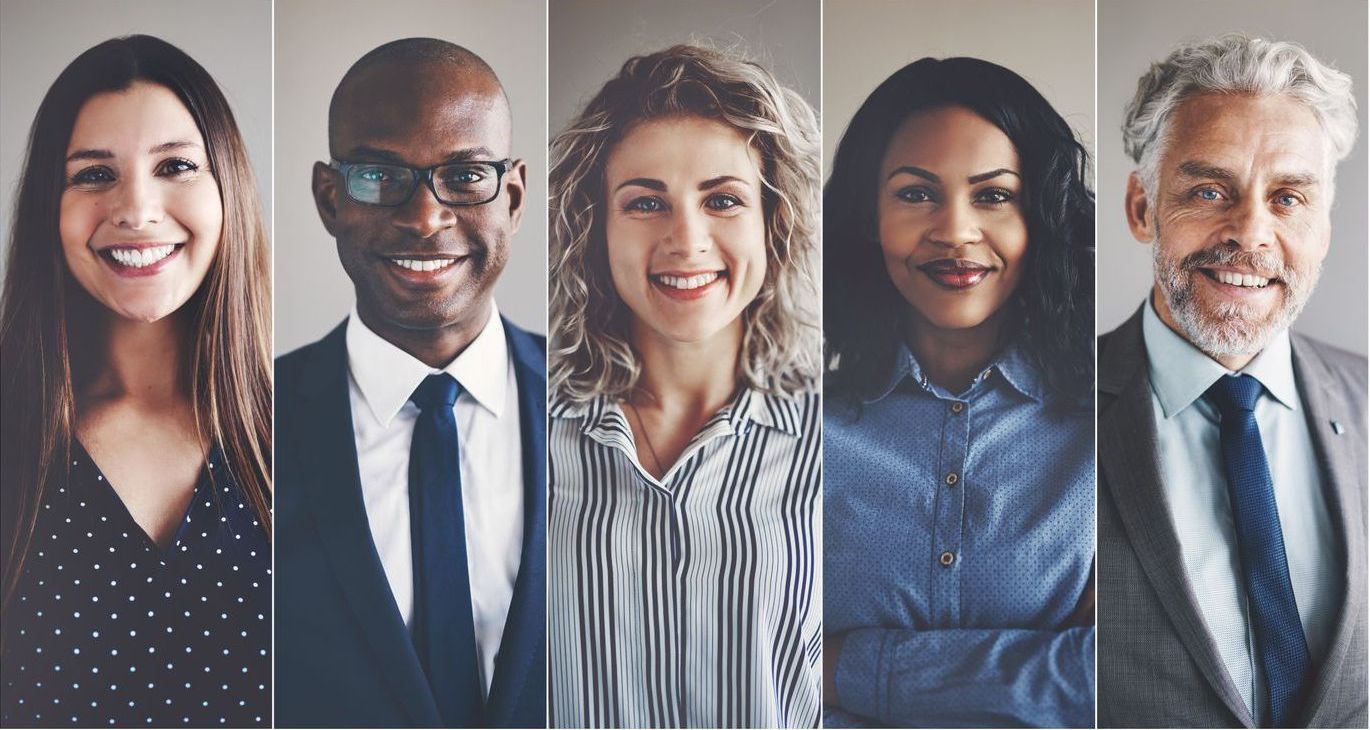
965,677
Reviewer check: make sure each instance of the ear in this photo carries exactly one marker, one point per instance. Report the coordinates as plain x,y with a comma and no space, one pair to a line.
1141,212
516,182
325,186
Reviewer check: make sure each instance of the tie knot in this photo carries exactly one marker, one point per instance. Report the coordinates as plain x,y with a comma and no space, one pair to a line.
1235,393
439,389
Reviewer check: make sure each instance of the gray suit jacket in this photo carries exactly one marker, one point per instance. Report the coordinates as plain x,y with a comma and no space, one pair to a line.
1158,666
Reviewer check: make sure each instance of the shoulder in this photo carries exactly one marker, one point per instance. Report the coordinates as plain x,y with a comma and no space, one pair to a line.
1345,369
332,346
526,345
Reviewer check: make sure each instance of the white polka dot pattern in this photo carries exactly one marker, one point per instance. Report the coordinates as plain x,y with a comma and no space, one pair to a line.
107,629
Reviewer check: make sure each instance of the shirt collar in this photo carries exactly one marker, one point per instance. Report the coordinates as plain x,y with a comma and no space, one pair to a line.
387,375
603,415
1012,363
1181,373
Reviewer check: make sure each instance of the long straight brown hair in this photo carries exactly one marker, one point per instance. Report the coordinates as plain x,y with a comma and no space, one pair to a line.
43,308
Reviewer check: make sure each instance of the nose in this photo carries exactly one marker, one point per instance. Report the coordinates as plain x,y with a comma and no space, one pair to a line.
689,234
956,224
137,203
1250,225
424,215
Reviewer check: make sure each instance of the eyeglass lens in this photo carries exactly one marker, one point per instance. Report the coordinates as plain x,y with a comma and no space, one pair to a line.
456,184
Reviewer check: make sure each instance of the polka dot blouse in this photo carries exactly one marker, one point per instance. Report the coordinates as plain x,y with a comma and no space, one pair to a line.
108,629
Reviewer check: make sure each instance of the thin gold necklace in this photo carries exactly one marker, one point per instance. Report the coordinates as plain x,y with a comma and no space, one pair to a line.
646,436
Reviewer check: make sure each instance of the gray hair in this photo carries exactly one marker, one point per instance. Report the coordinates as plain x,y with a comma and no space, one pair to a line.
1235,63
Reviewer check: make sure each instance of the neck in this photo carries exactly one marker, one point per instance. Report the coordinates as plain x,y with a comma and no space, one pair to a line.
435,347
952,358
696,378
142,360
1233,362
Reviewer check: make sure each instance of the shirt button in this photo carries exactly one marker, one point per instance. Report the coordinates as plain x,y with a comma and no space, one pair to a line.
952,479
958,407
947,558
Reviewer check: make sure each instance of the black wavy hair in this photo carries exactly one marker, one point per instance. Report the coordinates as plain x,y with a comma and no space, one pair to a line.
1055,299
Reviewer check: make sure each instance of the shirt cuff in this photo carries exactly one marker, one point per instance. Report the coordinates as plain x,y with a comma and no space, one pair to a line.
859,669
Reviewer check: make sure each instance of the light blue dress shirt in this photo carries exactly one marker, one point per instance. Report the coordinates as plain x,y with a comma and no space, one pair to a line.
958,541
1196,491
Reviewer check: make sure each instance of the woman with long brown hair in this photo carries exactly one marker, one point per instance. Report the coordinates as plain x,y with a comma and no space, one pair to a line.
135,337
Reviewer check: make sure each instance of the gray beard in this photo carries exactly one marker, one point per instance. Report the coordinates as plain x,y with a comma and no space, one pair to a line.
1229,328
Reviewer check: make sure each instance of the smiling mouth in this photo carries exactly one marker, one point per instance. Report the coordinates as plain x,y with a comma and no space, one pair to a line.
422,265
956,274
139,257
687,283
1233,278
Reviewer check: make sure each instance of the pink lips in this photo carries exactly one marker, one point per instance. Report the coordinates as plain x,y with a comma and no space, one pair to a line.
955,273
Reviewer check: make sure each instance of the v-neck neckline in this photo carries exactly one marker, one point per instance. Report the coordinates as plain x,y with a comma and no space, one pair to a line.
112,494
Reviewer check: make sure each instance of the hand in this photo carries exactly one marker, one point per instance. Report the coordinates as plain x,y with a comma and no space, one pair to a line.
832,650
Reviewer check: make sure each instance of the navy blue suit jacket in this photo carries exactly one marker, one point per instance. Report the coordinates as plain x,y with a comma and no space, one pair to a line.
343,655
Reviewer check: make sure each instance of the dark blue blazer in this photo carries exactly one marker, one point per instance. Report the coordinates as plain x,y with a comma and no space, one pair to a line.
343,655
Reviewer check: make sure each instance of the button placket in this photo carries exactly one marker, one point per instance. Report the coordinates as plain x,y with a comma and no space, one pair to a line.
949,516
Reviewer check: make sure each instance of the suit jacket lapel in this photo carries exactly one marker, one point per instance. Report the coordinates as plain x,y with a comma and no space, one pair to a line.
335,497
1128,455
1335,453
522,647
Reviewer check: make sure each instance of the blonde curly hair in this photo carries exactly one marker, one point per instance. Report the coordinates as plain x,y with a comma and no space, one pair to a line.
591,352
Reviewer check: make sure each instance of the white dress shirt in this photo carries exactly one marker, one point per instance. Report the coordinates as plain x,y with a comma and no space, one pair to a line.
487,412
1195,484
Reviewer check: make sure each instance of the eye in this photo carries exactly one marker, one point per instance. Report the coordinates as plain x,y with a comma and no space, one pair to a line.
645,204
1288,200
1209,195
92,177
464,176
914,194
177,166
373,174
994,196
722,202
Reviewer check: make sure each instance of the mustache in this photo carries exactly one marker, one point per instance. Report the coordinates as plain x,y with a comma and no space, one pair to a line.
1266,264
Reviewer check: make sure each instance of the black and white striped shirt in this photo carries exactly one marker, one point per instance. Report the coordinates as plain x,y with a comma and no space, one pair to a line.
693,600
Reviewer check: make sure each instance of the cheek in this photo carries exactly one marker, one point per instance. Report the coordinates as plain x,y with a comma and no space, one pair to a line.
78,218
201,212
743,240
625,249
899,231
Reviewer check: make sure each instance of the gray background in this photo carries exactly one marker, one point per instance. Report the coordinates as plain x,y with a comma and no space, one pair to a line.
39,38
316,42
1049,42
592,39
1138,34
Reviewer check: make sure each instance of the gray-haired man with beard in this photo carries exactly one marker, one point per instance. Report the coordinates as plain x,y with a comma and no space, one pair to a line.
1232,519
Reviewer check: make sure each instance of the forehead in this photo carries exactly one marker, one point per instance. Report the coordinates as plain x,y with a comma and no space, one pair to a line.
685,149
950,139
1249,135
425,113
132,120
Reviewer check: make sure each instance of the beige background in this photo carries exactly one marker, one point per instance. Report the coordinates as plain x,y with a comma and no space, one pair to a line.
1138,34
1048,42
316,42
592,38
38,38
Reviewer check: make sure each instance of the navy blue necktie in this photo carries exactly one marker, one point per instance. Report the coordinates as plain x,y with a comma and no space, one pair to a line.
443,630
1280,645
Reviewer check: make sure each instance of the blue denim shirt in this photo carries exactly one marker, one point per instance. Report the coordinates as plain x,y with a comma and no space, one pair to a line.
958,541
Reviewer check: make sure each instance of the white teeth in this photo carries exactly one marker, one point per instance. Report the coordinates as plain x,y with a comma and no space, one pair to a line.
423,264
1235,279
688,282
140,257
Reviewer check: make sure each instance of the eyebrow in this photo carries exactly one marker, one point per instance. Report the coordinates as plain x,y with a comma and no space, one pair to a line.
1203,170
714,182
973,179
383,155
101,154
643,182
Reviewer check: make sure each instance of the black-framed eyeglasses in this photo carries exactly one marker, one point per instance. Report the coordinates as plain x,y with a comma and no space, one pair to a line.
476,182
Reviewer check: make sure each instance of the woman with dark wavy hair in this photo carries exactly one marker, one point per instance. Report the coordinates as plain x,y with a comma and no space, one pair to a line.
958,426
135,335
